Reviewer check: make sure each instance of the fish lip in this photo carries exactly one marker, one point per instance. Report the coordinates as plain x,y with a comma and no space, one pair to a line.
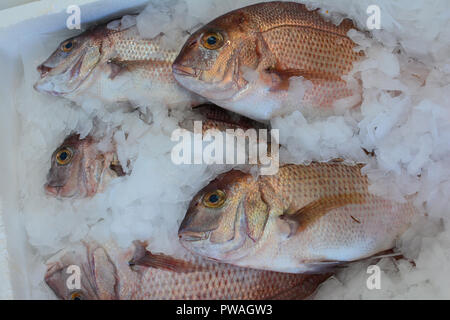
184,71
37,85
43,70
192,236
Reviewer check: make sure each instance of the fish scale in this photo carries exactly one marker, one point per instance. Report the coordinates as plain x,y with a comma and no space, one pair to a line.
130,46
148,57
277,13
302,219
313,55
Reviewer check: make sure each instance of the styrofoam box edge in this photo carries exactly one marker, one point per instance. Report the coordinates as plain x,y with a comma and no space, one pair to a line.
43,16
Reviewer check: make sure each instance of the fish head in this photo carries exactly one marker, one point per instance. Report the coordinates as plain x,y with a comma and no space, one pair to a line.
77,168
82,272
212,59
71,63
225,219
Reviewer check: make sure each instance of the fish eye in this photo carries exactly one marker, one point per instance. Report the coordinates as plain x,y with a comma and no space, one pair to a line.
212,40
64,156
214,199
67,46
76,296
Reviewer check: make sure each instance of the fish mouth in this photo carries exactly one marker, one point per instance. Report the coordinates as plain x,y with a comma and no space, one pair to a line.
192,236
59,192
184,71
52,190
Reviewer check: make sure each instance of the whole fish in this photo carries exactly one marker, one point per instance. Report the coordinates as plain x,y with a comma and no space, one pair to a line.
306,218
80,169
247,59
114,63
108,272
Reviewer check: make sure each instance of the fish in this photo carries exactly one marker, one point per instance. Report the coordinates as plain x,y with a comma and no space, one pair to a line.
305,218
80,169
108,272
215,118
113,63
247,60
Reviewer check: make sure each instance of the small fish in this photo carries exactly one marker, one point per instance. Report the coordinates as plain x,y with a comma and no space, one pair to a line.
101,62
305,218
110,273
245,60
79,169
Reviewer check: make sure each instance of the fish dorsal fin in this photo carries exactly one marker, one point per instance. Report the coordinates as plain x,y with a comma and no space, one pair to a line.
145,258
300,219
116,66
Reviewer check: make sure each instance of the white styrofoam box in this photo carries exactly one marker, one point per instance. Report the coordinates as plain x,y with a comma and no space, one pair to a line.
24,21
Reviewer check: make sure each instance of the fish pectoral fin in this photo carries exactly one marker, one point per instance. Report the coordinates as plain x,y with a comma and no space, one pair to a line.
116,66
281,77
145,258
300,219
